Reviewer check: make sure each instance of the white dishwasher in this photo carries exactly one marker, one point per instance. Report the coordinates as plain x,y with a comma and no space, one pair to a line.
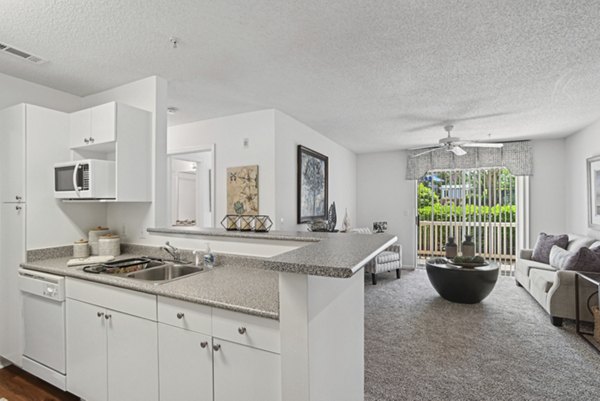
44,352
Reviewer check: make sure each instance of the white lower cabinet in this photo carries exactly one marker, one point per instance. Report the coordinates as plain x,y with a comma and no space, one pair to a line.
123,346
111,355
186,364
86,351
132,358
245,373
213,354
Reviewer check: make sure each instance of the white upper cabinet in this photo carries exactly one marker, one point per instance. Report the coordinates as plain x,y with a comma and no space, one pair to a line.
120,133
94,126
104,123
12,153
80,128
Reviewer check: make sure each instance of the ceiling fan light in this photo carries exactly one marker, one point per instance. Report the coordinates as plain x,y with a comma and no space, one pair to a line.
458,151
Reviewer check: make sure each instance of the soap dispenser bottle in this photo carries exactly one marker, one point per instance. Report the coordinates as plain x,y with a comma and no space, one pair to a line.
209,258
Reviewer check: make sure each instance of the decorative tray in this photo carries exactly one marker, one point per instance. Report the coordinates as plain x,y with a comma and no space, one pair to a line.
468,265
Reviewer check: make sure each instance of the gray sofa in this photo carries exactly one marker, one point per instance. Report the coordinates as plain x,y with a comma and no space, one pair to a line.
554,289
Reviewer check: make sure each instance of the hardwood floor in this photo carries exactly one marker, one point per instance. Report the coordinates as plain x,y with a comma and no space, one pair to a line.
18,385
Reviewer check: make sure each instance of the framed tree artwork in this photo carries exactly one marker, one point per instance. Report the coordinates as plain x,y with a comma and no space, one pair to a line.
313,185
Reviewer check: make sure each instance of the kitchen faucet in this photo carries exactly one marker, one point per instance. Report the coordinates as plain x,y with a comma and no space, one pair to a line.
174,252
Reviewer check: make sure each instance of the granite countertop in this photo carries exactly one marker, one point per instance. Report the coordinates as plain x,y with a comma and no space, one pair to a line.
338,255
230,285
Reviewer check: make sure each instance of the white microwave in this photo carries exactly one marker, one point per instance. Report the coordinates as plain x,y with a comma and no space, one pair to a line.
85,179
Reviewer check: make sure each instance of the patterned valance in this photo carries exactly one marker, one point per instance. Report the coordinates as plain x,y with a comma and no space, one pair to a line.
515,156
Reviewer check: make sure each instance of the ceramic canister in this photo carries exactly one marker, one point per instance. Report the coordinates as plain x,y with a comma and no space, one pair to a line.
109,245
81,249
93,237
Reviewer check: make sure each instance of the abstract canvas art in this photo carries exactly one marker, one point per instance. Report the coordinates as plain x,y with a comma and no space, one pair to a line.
242,190
313,171
593,173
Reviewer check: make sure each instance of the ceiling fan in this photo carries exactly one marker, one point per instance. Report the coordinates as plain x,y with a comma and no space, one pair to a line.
454,144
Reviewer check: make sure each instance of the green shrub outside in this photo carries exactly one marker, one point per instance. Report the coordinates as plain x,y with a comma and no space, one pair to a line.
504,214
497,213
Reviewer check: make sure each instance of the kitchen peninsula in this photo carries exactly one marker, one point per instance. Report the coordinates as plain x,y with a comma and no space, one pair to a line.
310,298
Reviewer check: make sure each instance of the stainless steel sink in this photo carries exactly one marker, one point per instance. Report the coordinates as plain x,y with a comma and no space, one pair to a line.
165,272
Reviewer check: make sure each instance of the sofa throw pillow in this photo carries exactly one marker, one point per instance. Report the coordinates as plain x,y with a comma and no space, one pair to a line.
588,261
544,244
576,242
563,259
585,259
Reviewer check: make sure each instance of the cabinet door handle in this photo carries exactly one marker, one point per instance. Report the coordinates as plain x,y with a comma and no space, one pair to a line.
180,315
18,208
242,330
107,316
18,197
86,140
100,314
91,140
204,344
216,347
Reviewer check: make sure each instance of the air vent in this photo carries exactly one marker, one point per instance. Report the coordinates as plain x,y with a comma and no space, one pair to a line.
23,55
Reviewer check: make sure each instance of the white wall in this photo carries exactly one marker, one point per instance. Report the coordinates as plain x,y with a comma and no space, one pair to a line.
547,207
14,90
579,147
383,194
228,134
289,133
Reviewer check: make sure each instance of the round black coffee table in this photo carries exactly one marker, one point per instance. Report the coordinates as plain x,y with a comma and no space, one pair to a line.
460,284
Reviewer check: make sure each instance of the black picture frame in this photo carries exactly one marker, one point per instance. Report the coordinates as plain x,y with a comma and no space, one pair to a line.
318,189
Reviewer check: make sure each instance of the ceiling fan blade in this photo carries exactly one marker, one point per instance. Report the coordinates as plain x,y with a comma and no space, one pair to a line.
426,152
482,145
425,147
458,151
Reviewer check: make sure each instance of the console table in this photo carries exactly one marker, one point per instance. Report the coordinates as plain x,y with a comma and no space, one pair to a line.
594,279
461,284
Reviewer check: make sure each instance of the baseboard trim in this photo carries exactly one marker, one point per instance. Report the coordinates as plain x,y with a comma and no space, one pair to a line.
4,363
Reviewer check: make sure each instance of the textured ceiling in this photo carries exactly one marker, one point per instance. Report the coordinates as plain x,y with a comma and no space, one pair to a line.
371,75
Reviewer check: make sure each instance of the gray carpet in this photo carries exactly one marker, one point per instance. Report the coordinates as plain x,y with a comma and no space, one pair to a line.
419,346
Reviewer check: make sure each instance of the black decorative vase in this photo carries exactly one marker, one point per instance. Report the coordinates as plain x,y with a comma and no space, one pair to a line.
451,248
332,218
468,246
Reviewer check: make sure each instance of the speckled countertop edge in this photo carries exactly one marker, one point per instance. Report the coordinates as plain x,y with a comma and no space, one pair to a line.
337,255
229,286
305,236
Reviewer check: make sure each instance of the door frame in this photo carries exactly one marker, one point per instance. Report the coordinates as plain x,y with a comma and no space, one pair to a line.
193,149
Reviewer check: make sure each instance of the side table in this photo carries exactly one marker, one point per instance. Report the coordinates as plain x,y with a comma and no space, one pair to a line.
594,279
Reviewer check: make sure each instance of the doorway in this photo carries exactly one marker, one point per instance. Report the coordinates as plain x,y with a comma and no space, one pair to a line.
482,203
191,187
